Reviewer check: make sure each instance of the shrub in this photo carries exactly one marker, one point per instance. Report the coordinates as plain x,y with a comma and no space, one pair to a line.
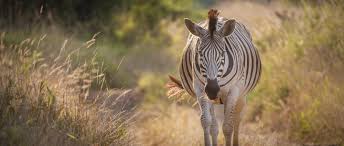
300,92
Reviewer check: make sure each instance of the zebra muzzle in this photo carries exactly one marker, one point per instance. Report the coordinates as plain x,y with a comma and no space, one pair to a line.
212,88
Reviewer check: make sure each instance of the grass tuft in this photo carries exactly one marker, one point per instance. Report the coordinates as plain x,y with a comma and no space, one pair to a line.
47,101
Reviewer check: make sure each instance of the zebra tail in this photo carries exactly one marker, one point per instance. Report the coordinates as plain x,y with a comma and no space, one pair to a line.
175,88
175,82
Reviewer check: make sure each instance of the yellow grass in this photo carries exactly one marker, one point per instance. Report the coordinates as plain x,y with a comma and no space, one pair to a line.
47,102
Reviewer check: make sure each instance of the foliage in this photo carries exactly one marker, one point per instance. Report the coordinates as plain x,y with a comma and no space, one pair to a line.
153,86
129,20
129,31
300,89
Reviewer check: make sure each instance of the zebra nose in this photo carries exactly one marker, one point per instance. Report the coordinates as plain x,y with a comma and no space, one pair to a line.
212,88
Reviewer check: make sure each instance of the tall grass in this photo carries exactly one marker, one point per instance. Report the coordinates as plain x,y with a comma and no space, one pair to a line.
49,101
301,89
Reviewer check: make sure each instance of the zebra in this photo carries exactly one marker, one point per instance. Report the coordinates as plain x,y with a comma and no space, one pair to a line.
220,65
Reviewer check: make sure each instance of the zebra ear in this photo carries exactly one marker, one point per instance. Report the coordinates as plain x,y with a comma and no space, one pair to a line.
228,27
194,28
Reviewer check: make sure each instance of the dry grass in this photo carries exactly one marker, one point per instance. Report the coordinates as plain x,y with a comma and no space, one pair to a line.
168,125
47,102
179,125
300,92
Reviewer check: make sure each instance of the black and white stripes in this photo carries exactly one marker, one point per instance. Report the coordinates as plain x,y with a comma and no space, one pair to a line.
227,58
222,65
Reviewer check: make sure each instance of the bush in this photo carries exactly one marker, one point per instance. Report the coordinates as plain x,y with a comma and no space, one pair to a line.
153,86
300,92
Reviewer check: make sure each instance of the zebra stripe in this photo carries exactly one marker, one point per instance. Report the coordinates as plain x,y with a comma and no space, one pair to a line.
239,60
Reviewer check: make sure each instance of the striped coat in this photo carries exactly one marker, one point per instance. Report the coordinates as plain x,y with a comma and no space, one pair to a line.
242,61
219,65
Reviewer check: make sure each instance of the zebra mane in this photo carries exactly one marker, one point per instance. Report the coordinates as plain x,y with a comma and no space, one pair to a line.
212,20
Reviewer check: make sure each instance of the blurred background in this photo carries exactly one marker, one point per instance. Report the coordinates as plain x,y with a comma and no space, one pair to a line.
87,72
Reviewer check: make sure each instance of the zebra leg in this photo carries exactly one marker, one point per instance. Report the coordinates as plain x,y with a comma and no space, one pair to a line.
227,126
238,115
228,123
205,119
214,130
205,112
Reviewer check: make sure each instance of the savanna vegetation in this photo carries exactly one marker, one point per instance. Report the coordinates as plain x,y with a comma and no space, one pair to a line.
93,73
300,92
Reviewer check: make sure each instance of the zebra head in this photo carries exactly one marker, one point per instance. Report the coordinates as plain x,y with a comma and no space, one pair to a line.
211,50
